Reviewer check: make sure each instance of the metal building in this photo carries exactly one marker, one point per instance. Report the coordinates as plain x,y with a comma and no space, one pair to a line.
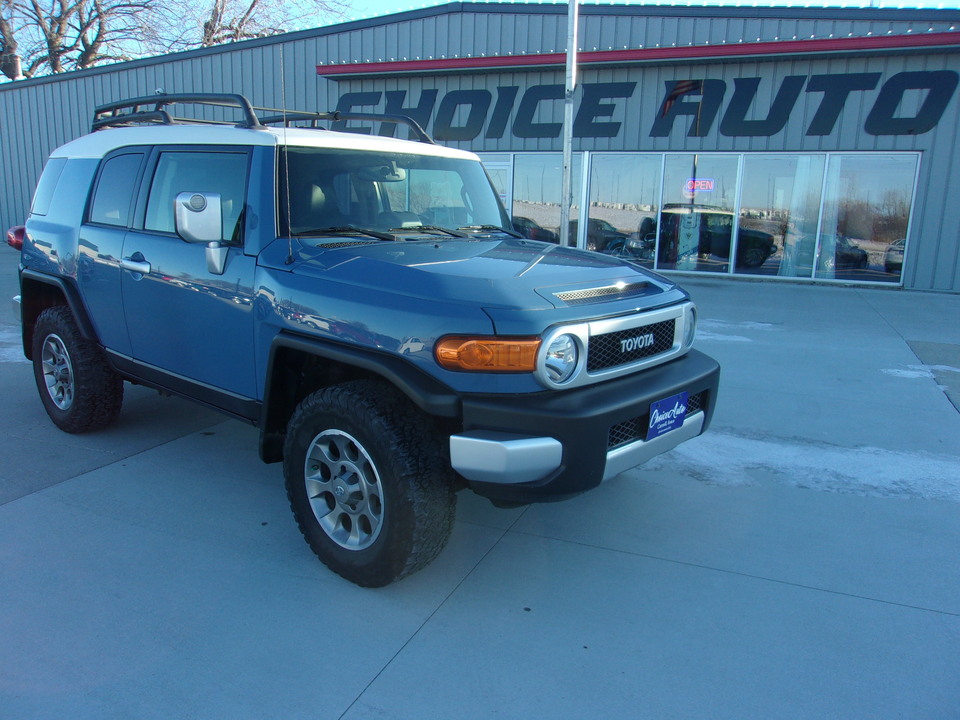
792,143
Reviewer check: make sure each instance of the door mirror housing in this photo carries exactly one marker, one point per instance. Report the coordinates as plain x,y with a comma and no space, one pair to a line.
198,216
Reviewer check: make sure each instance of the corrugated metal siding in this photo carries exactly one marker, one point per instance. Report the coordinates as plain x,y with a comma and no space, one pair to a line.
38,115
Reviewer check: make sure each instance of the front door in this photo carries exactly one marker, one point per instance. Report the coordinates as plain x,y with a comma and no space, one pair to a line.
181,318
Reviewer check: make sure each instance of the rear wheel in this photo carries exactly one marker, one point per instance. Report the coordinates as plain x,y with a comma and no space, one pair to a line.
368,482
79,390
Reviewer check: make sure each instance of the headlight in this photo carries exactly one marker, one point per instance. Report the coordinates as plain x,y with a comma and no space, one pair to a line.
689,325
561,359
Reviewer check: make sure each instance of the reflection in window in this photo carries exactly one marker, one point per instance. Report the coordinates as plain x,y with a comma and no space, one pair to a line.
696,220
205,172
114,193
537,187
624,199
779,209
866,209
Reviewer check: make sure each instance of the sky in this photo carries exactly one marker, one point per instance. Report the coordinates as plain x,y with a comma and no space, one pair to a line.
375,8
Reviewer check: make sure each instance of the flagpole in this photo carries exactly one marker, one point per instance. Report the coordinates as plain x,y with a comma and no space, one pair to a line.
566,196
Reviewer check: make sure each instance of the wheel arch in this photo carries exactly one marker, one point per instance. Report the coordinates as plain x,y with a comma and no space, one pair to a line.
300,365
39,292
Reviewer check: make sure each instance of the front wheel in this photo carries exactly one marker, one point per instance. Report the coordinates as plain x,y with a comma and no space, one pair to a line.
79,390
367,482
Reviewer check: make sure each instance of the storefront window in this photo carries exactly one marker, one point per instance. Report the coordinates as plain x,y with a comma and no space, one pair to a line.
866,209
537,187
779,209
624,200
814,216
697,217
498,167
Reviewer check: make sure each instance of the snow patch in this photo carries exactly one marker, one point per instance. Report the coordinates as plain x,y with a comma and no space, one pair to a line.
717,337
726,459
919,371
745,325
723,331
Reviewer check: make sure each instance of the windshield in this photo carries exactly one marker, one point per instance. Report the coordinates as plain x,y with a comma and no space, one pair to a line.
376,191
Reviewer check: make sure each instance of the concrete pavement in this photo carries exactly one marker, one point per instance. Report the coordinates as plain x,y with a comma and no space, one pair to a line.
801,560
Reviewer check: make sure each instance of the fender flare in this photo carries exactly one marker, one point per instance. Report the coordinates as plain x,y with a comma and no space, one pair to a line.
430,395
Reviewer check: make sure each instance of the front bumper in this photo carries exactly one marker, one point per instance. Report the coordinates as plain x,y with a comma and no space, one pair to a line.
552,445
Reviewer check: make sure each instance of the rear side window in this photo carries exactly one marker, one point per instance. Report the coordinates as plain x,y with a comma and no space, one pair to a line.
113,196
206,172
46,186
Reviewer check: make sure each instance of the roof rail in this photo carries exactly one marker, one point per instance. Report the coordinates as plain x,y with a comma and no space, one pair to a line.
286,117
152,110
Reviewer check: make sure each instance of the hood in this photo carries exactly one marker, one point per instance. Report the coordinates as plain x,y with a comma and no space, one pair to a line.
503,273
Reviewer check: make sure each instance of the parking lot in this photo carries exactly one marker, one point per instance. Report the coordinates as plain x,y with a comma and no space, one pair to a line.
801,560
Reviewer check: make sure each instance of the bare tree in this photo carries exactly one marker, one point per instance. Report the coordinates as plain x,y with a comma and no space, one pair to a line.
51,36
185,24
39,37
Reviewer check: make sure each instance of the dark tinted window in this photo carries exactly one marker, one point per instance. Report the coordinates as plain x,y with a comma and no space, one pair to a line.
202,172
115,188
46,186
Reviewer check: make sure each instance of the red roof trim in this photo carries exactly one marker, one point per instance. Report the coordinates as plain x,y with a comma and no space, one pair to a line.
731,50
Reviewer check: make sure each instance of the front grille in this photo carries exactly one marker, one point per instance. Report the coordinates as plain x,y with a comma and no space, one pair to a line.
626,346
636,429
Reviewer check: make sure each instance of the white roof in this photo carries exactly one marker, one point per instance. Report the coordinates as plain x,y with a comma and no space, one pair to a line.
98,144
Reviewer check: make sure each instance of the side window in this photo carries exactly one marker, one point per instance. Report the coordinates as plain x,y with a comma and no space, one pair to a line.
210,172
46,186
115,188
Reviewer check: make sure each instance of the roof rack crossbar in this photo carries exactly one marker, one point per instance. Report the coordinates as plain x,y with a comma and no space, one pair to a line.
151,109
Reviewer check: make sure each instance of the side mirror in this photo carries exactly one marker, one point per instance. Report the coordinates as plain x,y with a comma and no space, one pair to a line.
199,220
198,217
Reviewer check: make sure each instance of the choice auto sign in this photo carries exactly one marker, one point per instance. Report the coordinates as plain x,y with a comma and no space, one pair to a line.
699,105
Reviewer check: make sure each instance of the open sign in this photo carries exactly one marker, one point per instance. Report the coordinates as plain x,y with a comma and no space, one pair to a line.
694,185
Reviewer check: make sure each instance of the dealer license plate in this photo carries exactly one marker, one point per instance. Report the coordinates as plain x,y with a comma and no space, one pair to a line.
667,415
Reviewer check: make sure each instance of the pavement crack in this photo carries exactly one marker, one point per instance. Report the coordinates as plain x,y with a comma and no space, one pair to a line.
750,576
426,621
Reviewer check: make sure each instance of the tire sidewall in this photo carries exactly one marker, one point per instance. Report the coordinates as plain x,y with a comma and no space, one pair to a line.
386,557
97,391
53,322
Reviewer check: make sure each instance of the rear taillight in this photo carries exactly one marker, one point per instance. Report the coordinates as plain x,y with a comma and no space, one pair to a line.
15,237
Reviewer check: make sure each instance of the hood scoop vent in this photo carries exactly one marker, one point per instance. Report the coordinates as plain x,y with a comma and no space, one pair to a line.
617,291
345,243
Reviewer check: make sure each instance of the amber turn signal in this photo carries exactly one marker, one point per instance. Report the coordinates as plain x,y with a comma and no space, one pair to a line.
487,354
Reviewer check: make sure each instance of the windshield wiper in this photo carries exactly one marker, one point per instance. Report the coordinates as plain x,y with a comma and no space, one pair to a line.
497,228
428,228
341,229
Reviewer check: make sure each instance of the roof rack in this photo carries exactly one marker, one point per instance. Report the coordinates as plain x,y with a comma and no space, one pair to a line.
152,110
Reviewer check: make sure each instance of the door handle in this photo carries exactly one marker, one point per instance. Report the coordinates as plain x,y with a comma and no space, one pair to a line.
135,264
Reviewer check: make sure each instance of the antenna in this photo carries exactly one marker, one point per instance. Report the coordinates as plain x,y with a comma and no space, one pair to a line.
286,158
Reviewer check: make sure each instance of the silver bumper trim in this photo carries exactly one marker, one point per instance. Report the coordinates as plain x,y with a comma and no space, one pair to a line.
638,452
498,457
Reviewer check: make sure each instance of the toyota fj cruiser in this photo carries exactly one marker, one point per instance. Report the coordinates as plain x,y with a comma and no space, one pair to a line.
361,300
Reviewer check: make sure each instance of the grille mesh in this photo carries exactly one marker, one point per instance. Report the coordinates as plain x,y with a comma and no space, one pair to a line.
636,429
626,346
344,243
582,297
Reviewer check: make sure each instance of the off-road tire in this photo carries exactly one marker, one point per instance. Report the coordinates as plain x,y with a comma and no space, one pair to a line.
84,393
408,481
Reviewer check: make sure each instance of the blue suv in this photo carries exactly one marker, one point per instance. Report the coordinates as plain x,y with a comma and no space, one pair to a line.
364,302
